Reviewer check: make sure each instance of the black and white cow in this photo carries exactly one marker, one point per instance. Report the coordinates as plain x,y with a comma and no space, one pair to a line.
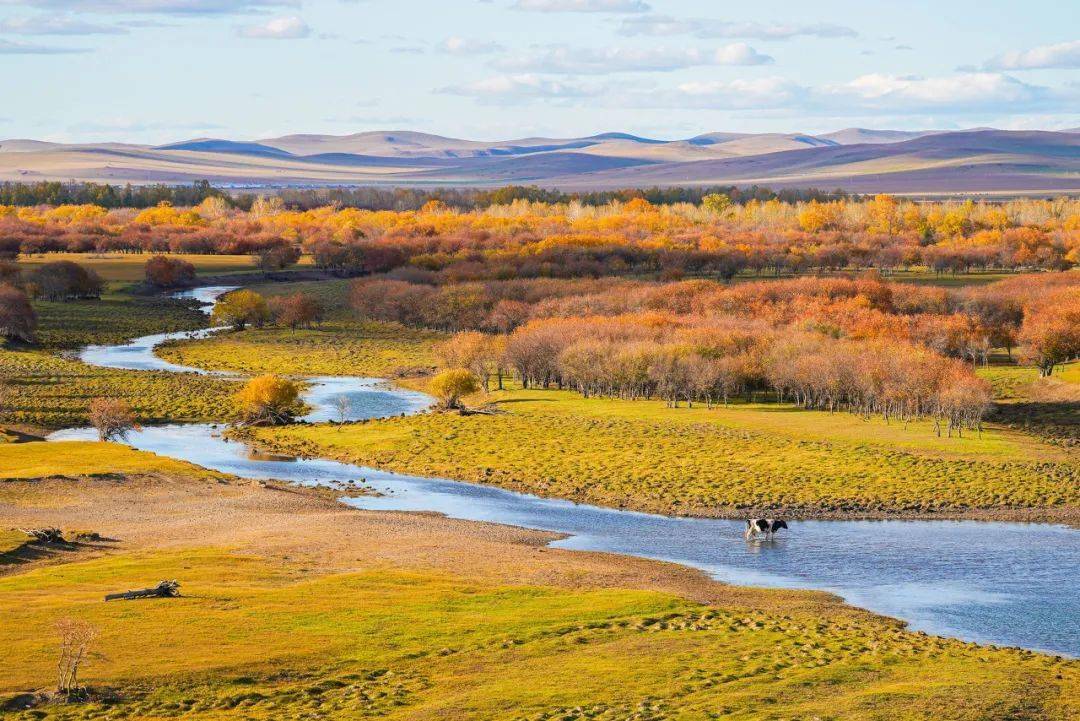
768,526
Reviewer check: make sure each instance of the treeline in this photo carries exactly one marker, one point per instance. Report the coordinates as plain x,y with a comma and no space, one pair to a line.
372,198
105,195
717,238
865,346
377,198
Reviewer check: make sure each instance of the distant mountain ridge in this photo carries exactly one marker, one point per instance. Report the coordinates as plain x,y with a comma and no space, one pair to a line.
855,159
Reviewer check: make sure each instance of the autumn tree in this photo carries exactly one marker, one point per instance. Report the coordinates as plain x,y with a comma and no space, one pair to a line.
479,353
450,385
278,257
268,400
64,280
1050,334
164,272
18,320
240,309
113,418
76,639
299,310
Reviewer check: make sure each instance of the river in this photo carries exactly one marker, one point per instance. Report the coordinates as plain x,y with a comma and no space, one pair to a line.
1002,583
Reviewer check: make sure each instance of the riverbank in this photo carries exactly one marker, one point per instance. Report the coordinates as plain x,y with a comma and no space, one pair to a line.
458,619
721,463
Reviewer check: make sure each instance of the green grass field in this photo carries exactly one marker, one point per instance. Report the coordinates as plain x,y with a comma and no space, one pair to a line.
49,391
257,641
85,458
128,267
643,455
341,345
335,348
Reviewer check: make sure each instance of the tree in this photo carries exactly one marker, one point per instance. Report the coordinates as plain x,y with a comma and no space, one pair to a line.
240,308
450,385
476,352
716,203
342,406
113,418
76,638
65,280
165,272
1050,334
17,318
269,399
278,257
298,310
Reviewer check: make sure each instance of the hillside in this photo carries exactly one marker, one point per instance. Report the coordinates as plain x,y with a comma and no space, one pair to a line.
856,159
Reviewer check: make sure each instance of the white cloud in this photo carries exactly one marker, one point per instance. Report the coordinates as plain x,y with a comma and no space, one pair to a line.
467,46
1061,55
739,94
10,47
560,59
963,92
56,25
290,27
665,25
521,88
157,7
584,6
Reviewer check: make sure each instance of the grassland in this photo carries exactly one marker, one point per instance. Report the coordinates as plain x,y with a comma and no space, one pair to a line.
341,345
48,391
128,267
720,461
295,607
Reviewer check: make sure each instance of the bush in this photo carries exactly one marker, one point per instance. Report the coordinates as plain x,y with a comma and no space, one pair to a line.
241,308
113,418
299,310
165,272
278,257
17,318
65,280
449,386
269,399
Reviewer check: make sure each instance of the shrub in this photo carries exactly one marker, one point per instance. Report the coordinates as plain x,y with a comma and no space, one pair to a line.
17,318
241,308
269,399
165,272
65,280
299,310
449,386
113,418
278,257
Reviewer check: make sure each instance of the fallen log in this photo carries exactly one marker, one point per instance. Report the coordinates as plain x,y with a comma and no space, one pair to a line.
45,535
165,589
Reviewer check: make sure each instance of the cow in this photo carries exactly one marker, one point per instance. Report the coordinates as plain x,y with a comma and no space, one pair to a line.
768,526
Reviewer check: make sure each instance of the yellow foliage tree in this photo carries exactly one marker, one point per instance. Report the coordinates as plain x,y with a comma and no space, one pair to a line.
269,399
241,308
449,386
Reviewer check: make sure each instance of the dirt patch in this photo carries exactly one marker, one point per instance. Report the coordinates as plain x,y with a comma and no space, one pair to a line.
309,527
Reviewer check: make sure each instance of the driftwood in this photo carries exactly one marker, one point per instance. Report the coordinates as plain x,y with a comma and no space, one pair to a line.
165,589
45,535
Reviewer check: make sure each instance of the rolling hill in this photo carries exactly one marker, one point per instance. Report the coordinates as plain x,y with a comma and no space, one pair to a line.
855,159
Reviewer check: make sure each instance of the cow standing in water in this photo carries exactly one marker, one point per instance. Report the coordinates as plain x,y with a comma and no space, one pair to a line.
768,526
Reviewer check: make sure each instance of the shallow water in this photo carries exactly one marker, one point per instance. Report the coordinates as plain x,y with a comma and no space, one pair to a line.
1003,583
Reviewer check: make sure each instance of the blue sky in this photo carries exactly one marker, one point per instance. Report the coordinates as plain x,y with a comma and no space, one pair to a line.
161,70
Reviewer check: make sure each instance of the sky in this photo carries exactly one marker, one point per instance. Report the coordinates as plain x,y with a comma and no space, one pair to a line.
156,71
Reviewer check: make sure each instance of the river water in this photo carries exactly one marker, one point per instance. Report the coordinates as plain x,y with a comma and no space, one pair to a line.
1002,583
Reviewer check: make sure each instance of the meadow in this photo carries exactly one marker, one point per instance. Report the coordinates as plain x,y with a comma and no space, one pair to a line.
129,267
712,462
484,624
341,344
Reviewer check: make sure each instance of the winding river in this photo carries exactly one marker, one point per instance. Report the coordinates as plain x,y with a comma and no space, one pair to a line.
1001,583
